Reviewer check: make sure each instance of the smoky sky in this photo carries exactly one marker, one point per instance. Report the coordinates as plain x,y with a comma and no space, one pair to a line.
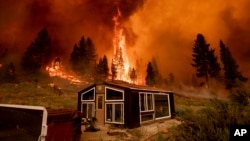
66,21
165,29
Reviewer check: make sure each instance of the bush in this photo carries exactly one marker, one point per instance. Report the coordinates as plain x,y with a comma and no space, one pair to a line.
212,122
239,96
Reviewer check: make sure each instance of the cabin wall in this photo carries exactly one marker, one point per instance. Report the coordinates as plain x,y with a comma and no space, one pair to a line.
172,107
131,105
132,113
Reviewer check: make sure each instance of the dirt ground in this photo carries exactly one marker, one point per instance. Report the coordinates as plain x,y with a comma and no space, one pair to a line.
146,132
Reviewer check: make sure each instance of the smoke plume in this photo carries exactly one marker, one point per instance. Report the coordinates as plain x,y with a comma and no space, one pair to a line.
165,29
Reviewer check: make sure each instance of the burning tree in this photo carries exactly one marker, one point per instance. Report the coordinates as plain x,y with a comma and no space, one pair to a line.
120,60
113,70
132,75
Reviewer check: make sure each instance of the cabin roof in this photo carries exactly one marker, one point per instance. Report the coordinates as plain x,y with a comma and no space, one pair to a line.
125,85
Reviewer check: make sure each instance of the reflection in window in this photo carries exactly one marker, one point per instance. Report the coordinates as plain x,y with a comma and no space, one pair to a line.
146,102
161,106
118,112
150,101
109,113
142,102
114,113
89,95
113,94
88,110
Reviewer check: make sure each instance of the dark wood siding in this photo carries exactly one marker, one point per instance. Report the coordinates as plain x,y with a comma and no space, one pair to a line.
132,113
172,108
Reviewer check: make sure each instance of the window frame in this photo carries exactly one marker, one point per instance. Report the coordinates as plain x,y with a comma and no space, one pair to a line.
115,89
169,112
93,109
113,112
87,92
146,102
146,111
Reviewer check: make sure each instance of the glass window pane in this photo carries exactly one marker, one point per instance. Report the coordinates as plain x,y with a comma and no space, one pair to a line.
88,95
161,106
113,95
109,113
150,101
142,102
84,110
118,113
90,110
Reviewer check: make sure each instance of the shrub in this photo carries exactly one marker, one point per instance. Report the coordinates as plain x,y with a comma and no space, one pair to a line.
212,122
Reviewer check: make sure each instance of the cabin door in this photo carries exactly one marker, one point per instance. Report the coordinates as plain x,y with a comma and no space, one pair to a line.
100,108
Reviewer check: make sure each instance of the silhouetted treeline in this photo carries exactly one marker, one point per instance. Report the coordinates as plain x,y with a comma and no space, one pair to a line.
38,53
207,65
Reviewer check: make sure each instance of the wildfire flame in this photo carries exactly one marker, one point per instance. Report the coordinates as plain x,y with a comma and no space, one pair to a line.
56,69
120,59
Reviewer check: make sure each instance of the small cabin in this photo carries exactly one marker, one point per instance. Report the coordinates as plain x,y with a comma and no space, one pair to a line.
125,104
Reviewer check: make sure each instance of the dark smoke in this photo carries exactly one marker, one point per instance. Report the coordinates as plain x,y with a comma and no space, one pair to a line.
165,29
66,22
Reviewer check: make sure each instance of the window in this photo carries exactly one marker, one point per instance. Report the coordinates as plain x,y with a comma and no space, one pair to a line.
147,117
88,103
114,113
89,95
146,102
99,102
146,107
161,105
88,110
114,94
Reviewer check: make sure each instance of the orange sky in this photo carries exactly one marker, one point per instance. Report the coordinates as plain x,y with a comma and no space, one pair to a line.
165,29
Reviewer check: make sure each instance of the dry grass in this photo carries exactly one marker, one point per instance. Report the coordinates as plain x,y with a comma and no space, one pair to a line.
38,94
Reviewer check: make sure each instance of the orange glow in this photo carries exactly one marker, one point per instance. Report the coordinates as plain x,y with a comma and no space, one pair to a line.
56,69
120,55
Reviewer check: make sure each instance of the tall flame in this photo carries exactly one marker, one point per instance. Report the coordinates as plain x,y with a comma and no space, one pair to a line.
120,59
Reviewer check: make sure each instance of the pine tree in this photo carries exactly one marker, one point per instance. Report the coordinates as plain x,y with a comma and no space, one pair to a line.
150,78
75,57
230,67
83,56
113,70
214,66
38,53
90,52
102,68
158,77
133,75
204,60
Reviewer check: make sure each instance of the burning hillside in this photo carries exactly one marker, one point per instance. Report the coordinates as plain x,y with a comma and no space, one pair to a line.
164,29
56,70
